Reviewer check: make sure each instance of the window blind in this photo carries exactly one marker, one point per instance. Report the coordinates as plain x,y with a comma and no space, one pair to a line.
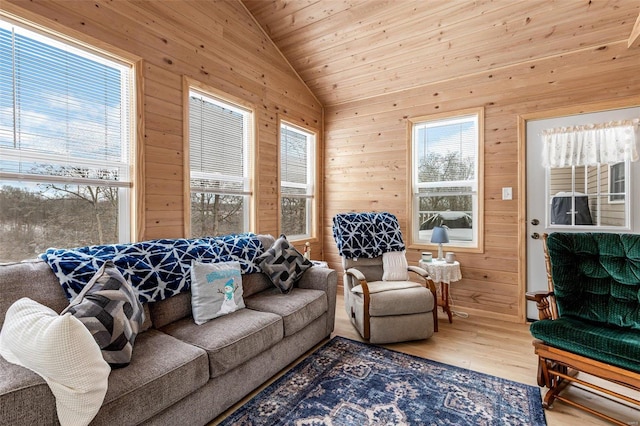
64,111
294,161
447,151
219,145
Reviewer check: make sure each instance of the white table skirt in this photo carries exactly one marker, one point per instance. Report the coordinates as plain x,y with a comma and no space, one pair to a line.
442,272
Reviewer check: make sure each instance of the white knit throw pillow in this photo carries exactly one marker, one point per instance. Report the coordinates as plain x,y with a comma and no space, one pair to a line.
63,352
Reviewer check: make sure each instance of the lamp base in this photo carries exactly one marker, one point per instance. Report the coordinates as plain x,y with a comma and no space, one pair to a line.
440,257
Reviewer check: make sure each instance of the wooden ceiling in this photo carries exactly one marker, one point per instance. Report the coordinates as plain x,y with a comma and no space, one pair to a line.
347,50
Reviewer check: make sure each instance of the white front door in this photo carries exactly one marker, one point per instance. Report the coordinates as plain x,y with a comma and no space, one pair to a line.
539,191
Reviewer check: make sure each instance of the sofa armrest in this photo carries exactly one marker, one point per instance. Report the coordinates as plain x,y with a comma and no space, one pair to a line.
325,279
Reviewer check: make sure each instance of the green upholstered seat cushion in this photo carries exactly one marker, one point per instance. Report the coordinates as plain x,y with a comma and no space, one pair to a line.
613,345
596,276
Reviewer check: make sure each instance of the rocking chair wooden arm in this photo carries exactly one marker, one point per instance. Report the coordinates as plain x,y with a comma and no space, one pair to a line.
536,296
544,300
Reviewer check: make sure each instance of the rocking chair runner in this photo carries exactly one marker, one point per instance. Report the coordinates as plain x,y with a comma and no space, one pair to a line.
589,318
384,305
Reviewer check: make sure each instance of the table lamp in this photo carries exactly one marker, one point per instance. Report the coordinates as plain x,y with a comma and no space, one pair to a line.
439,236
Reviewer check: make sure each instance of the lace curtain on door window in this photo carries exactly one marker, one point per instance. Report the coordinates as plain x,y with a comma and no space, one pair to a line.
588,145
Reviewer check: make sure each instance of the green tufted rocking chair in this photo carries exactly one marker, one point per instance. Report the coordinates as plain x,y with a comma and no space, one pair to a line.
590,317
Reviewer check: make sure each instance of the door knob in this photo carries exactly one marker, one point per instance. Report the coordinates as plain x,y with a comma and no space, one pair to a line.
535,222
535,236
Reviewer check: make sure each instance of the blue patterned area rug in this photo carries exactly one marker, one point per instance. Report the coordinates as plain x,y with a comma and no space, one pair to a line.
351,383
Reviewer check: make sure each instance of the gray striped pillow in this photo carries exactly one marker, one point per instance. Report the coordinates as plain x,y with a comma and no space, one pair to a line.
109,308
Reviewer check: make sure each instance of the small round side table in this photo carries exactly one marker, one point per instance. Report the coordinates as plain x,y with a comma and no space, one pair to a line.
443,273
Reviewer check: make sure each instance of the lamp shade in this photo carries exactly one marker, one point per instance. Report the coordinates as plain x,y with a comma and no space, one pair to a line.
439,235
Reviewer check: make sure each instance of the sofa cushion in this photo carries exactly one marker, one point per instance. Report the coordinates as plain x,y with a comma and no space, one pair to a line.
33,279
162,371
612,345
255,283
169,310
110,310
177,307
232,339
283,264
19,388
216,290
406,298
297,309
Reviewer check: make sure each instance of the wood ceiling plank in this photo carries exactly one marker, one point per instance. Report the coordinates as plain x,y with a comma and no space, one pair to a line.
296,16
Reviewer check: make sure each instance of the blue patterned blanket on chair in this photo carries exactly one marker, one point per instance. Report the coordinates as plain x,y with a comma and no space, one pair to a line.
367,234
156,269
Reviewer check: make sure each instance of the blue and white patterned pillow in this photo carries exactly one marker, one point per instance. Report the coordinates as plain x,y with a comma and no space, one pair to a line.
367,234
157,269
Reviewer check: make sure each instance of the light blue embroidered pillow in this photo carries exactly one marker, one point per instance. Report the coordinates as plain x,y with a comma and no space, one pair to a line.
216,290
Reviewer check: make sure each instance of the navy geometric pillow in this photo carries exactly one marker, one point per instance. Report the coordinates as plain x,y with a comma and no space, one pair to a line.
283,264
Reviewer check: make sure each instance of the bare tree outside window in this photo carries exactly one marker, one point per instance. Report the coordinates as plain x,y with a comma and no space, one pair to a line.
444,168
216,214
36,217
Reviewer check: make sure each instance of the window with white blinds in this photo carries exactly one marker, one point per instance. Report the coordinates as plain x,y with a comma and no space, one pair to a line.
445,166
65,135
64,111
220,139
297,181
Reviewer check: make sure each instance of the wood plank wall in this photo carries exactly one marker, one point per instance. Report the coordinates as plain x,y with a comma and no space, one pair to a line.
366,156
216,43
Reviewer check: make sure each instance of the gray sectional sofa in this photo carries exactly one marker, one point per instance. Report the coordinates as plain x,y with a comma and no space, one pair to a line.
180,373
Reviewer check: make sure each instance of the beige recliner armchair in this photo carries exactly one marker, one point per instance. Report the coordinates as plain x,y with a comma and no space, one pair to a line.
383,303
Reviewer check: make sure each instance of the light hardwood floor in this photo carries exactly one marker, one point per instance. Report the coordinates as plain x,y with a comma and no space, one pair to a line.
493,347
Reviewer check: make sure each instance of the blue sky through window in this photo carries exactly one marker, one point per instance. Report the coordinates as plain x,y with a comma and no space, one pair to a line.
62,100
